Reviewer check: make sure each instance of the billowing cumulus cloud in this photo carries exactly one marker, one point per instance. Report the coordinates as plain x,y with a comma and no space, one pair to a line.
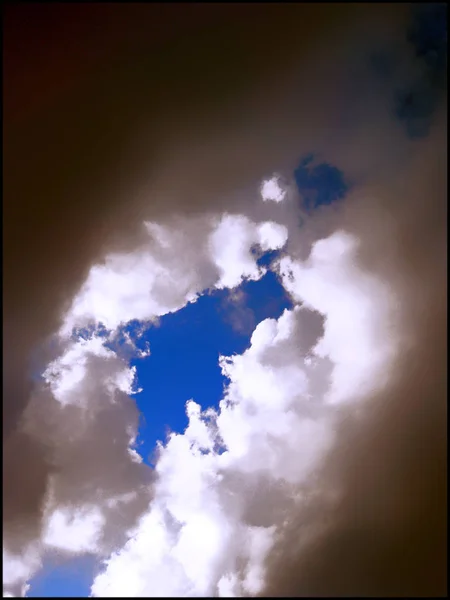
171,268
17,570
85,419
134,185
333,285
207,523
89,384
231,245
271,190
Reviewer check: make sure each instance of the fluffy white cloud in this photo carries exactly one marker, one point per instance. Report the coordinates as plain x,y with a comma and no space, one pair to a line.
231,244
267,412
17,569
67,373
189,539
211,523
74,530
92,425
195,529
222,484
176,263
360,337
271,190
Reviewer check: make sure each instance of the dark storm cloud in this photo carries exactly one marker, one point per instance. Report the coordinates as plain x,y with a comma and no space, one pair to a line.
117,113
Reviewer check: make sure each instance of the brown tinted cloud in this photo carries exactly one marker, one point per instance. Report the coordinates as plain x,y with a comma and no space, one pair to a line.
387,534
116,113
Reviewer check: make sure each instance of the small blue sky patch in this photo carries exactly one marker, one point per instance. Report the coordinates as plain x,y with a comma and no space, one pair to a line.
70,579
320,184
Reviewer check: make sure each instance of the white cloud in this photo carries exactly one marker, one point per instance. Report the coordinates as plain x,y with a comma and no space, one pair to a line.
67,373
271,236
271,190
267,412
231,244
92,426
90,423
178,262
17,570
360,337
210,525
74,530
207,531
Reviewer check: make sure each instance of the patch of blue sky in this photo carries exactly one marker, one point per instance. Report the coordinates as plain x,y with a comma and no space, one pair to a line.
184,353
88,331
319,184
267,258
68,579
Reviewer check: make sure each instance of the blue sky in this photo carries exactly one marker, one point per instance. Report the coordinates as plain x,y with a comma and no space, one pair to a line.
185,345
185,349
71,579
